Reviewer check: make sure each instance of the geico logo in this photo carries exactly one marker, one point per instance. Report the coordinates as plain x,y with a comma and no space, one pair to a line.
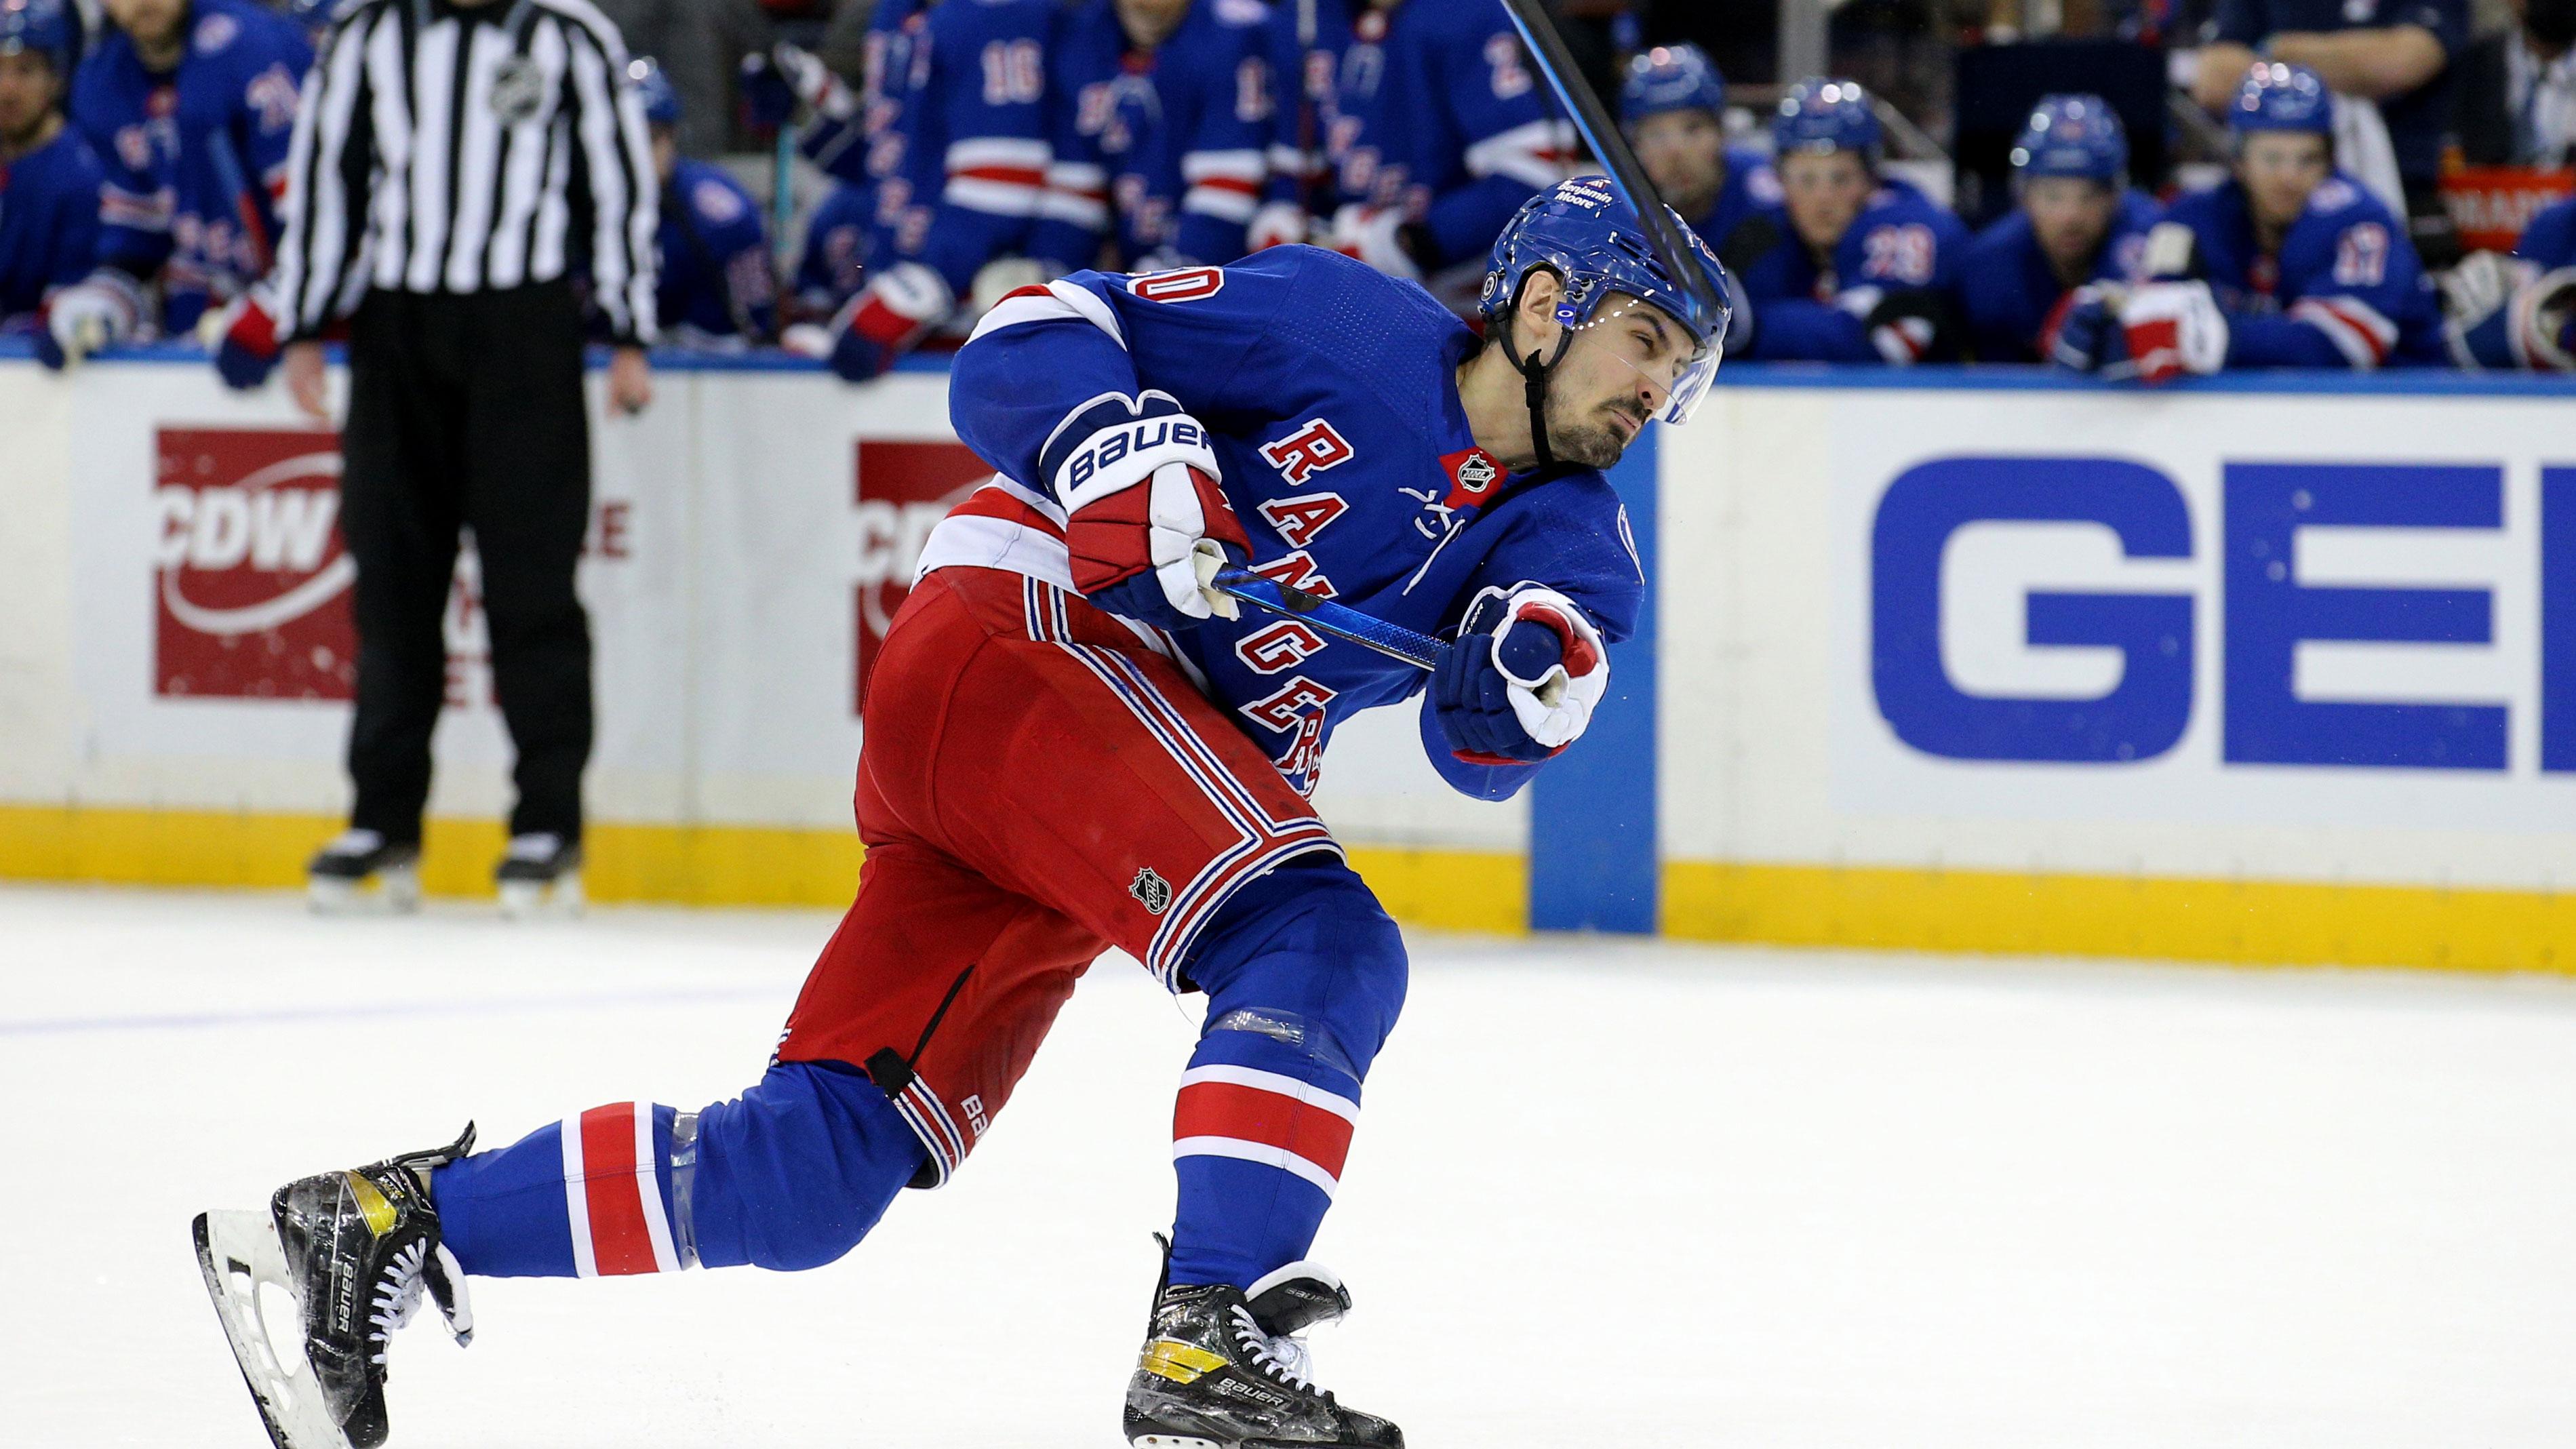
2274,601
891,537
1107,448
218,529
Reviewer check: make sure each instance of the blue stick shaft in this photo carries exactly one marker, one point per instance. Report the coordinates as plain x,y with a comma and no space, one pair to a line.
1326,617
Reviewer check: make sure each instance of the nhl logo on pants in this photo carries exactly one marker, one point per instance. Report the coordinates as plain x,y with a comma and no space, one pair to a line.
1151,891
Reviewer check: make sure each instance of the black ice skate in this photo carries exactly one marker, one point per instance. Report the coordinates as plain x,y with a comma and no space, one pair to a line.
354,1249
1225,1370
362,871
540,875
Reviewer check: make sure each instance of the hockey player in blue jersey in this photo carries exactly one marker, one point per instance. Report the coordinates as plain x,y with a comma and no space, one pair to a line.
1304,41
717,291
49,179
2517,312
1853,266
191,105
2077,224
2288,264
1438,131
1674,107
1163,115
1073,741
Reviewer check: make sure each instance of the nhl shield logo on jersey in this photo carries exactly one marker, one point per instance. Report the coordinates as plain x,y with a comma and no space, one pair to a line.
1472,476
1151,891
518,90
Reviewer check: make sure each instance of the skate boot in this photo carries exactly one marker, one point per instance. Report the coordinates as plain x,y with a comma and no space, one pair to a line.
540,875
363,871
1226,1370
354,1249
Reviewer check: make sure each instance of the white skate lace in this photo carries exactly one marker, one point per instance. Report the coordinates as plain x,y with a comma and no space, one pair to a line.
397,1296
1284,1360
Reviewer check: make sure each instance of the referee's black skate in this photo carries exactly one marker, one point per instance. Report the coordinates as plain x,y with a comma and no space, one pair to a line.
361,870
355,1250
540,875
1224,1369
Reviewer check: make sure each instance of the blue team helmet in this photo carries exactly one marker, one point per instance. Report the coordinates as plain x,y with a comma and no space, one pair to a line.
2073,135
1671,78
312,14
2279,96
39,27
661,99
1826,115
1589,235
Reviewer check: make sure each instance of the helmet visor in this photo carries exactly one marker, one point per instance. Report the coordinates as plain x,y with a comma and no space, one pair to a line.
1650,342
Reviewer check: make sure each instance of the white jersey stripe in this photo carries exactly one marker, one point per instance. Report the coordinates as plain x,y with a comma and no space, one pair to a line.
1277,1085
1258,1152
657,1223
585,1262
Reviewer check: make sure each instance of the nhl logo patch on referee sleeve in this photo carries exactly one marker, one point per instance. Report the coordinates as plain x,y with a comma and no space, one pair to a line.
1151,891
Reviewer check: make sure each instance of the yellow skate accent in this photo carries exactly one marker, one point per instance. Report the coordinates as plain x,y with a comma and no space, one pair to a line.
1179,1362
379,1213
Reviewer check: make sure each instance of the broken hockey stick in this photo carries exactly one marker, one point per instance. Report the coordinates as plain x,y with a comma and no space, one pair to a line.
1664,232
1326,617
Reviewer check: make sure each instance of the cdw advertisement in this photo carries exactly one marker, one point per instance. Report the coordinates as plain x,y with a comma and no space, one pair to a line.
2290,612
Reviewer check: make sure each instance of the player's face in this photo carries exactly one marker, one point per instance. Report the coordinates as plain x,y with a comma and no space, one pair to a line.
1684,153
1151,22
27,89
2280,170
666,153
1825,191
150,22
1617,375
2070,215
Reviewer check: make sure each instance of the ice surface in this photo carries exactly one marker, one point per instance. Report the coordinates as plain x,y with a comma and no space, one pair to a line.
1606,1195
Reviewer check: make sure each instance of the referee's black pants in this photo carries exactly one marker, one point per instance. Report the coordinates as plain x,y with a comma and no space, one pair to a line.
466,412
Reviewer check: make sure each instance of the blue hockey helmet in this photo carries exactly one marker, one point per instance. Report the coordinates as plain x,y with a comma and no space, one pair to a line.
314,15
1671,78
1589,235
2279,96
1826,115
2073,135
661,99
40,27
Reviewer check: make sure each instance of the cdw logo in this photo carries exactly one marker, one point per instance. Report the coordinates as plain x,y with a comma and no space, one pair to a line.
249,578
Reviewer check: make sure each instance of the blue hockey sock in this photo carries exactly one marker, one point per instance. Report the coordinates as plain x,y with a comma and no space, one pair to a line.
791,1175
1305,976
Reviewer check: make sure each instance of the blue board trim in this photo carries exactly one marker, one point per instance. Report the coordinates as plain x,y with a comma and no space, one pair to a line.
1593,855
176,354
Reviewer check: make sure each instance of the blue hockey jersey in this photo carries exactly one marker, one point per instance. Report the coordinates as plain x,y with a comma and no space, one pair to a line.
862,151
715,284
1751,188
1306,71
1438,113
2550,240
2347,289
1163,148
1806,311
2008,289
1331,395
49,202
196,158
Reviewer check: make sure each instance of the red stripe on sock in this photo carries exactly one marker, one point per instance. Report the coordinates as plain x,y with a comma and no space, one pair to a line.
618,1239
1249,1114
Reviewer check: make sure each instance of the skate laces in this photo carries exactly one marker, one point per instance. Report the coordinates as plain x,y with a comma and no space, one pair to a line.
397,1296
1284,1360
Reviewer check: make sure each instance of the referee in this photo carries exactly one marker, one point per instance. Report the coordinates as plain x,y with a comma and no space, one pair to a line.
456,164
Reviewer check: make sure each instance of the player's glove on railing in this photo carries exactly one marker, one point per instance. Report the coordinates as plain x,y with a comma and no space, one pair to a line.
1523,680
2174,328
1149,525
887,319
243,338
2503,313
2083,332
89,316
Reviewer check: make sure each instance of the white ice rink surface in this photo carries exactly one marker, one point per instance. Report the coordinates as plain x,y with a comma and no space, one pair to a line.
1604,1195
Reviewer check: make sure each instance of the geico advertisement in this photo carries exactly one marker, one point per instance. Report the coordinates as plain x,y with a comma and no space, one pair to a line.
2290,610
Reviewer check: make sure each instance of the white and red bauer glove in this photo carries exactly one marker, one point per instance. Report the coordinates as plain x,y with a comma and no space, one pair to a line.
91,315
1149,523
2174,328
1523,679
887,319
1380,236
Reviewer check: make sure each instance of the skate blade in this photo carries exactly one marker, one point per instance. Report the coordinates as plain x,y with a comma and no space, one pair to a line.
237,1252
386,893
1168,1441
528,900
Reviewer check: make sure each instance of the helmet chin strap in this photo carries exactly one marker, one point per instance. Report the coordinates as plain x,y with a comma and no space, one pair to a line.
1534,375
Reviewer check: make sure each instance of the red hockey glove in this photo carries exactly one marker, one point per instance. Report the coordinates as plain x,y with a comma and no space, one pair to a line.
2174,328
888,319
1149,523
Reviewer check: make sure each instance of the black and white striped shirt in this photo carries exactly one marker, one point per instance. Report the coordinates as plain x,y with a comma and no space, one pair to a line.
452,148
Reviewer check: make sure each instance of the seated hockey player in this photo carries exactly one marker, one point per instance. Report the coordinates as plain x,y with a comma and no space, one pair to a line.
1674,107
2077,225
1074,741
2288,264
2518,312
1440,129
191,106
717,292
1163,110
49,178
1852,266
